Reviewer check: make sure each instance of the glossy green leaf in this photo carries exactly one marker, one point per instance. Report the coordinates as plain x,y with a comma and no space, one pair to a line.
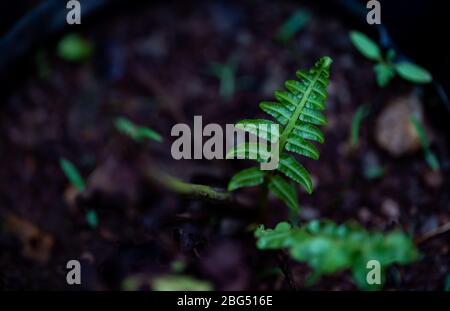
302,147
279,112
308,131
286,192
265,129
295,171
413,72
72,174
248,151
365,45
246,178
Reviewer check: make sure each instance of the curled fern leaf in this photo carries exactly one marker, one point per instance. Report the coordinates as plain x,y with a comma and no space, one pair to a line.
298,113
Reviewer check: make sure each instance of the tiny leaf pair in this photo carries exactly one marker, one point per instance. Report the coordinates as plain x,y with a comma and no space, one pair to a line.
137,133
297,113
385,68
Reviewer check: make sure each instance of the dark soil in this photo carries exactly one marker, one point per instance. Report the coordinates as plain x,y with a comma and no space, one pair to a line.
151,65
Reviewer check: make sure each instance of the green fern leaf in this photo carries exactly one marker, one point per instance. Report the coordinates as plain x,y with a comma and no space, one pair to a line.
286,192
307,131
298,110
264,129
295,171
277,111
301,146
248,151
246,178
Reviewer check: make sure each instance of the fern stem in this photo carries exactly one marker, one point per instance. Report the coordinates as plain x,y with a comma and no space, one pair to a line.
193,190
263,199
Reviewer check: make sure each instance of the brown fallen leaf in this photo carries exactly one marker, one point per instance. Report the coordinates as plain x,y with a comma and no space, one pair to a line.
36,244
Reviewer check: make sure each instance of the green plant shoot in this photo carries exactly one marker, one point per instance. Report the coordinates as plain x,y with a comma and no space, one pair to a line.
72,174
298,112
137,133
430,157
385,68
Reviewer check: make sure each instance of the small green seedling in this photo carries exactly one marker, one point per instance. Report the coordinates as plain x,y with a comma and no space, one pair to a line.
360,114
329,248
137,133
385,68
74,48
75,178
226,73
296,22
298,112
72,174
430,157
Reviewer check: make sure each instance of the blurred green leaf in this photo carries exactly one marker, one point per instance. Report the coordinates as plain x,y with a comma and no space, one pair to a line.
226,73
365,45
137,133
430,157
298,20
180,283
91,218
374,171
72,174
384,73
413,72
74,48
361,113
329,248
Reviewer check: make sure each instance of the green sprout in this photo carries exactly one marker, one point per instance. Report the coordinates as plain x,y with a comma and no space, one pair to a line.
360,114
72,174
75,178
74,48
430,157
137,133
298,113
296,22
385,68
226,73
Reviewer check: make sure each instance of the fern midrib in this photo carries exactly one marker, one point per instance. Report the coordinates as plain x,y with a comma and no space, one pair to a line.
291,124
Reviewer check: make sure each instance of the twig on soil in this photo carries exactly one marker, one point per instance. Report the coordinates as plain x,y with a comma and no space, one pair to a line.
284,266
431,234
179,186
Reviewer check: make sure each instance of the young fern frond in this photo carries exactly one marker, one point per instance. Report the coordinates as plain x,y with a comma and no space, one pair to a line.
298,113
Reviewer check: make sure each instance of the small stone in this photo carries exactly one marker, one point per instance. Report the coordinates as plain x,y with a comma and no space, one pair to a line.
390,208
394,131
433,179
